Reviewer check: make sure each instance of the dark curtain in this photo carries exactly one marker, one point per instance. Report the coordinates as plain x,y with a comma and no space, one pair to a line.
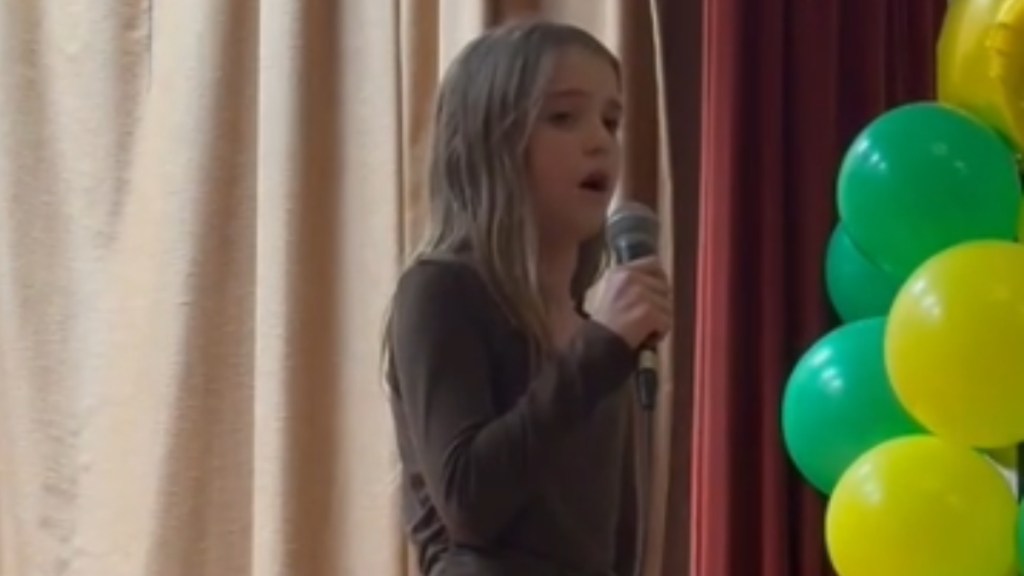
680,49
786,85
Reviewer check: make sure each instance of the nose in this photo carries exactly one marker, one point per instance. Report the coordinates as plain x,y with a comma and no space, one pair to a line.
600,139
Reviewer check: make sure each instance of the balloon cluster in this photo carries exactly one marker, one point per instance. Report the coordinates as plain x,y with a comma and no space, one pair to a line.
893,414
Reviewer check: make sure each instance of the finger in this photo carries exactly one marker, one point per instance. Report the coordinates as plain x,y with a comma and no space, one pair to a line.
647,264
659,325
650,297
661,320
654,273
655,306
653,285
662,306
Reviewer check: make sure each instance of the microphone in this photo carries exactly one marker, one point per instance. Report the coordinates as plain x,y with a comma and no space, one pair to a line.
632,233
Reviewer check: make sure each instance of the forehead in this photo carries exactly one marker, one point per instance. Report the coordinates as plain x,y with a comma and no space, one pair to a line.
576,69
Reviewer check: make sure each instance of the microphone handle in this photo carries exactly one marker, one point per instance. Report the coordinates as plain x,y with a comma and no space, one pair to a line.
647,377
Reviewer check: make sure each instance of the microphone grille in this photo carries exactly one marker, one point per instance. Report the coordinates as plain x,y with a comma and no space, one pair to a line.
632,231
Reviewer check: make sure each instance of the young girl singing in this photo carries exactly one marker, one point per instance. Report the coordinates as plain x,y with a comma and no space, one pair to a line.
509,399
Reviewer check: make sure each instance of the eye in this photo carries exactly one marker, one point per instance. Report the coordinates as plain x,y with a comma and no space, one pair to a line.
561,118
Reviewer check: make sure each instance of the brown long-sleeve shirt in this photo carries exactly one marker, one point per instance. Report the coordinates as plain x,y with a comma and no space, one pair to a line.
506,472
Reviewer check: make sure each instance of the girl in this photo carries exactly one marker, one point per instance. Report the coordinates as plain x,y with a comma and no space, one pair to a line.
510,403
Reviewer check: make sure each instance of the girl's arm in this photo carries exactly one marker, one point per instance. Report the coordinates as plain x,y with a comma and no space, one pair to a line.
480,466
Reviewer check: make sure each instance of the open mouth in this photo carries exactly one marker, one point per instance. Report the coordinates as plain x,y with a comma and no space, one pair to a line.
597,181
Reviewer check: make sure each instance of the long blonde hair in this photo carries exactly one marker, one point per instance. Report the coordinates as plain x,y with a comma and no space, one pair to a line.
485,110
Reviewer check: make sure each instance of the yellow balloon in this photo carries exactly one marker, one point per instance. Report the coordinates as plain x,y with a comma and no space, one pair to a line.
954,344
980,60
921,506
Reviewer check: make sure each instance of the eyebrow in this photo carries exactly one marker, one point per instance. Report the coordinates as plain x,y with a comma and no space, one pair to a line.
579,92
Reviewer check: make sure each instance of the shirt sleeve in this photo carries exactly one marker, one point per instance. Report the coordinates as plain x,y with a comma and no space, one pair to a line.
480,466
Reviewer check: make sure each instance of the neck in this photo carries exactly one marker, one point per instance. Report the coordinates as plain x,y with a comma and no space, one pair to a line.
556,268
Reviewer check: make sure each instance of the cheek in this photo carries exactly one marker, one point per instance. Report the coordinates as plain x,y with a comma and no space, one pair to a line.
551,194
544,173
549,172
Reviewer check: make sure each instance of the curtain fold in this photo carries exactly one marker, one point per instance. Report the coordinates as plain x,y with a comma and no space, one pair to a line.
203,206
679,50
786,86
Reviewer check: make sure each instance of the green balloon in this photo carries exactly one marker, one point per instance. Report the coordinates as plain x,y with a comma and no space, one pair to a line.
838,403
922,178
857,287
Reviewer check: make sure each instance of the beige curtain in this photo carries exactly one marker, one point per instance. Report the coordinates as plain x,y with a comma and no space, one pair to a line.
203,205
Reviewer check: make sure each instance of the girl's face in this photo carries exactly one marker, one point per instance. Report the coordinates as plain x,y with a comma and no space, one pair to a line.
573,152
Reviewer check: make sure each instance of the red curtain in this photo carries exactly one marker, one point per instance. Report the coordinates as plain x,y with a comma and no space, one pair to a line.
787,84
